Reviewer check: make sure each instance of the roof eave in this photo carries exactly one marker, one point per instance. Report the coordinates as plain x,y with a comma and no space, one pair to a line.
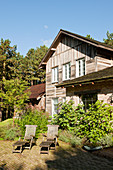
76,36
84,82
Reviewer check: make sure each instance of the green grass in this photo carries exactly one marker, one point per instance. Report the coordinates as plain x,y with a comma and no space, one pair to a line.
6,122
4,126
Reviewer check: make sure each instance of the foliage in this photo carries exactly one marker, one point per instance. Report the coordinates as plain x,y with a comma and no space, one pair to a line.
107,140
30,65
7,57
12,133
33,117
14,95
66,116
11,83
4,126
95,123
109,39
69,137
6,123
89,36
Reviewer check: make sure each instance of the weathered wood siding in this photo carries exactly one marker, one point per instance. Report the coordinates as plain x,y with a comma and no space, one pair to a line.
71,50
105,91
103,62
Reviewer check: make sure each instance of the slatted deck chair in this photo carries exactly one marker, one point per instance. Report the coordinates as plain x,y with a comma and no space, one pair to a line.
51,138
29,139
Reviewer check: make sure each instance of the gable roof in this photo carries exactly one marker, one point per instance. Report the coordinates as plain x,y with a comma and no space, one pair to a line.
36,91
91,77
63,33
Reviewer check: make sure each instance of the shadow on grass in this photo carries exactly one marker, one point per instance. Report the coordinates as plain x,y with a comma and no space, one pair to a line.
70,158
13,166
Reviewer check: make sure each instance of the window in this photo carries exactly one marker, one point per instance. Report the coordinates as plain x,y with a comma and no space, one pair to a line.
80,67
66,71
54,74
54,106
89,99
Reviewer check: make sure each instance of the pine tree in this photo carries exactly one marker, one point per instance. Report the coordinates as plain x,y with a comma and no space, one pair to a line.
30,65
10,74
109,39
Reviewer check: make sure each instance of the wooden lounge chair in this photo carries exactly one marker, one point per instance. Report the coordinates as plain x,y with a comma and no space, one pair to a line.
49,140
28,140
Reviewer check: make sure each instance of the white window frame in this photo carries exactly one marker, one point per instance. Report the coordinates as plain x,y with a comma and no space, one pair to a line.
66,71
55,75
80,67
54,102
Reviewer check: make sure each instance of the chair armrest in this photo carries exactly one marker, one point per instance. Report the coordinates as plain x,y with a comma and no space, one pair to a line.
19,138
44,136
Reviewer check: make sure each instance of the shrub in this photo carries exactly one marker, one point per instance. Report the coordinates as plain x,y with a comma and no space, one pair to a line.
95,123
33,117
66,116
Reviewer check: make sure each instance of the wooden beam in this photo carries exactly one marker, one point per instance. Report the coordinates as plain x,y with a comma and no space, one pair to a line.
53,49
44,63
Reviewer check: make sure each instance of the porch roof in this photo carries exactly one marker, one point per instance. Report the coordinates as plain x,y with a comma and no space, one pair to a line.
101,75
36,91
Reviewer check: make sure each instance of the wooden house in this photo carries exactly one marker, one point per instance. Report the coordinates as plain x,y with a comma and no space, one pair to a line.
77,68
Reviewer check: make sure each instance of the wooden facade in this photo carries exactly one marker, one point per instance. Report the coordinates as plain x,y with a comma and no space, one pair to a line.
72,48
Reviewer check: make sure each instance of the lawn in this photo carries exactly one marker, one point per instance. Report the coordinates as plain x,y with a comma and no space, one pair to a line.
6,122
4,125
65,157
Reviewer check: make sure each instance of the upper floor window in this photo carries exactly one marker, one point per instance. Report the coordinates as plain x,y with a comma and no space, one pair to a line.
66,71
80,67
54,74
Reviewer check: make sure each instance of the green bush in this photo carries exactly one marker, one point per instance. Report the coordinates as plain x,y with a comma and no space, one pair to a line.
92,125
66,116
33,117
95,123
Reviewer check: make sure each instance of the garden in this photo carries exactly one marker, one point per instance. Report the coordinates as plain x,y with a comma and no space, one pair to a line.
77,128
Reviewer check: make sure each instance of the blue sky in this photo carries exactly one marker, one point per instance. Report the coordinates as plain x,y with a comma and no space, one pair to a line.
32,23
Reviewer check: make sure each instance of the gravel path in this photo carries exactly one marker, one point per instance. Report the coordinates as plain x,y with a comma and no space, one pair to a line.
65,157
